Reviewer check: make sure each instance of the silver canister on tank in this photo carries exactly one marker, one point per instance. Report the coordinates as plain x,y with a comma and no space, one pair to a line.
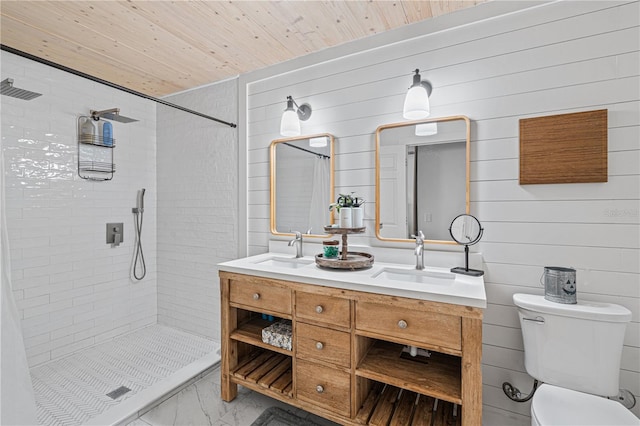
560,284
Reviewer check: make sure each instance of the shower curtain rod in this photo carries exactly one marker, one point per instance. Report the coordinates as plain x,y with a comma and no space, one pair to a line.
112,85
326,157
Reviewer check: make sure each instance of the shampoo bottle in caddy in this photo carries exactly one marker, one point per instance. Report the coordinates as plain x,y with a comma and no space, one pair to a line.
107,134
87,130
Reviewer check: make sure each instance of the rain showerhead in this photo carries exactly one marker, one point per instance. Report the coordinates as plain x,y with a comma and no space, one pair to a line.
6,88
112,114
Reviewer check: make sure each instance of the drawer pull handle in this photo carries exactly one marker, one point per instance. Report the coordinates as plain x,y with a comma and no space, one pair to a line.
319,309
402,324
319,346
256,296
319,389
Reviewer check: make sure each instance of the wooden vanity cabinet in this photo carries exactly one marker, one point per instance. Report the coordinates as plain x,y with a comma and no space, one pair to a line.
346,362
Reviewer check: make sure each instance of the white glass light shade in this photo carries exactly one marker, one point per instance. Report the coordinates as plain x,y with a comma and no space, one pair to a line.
416,103
289,125
318,142
426,129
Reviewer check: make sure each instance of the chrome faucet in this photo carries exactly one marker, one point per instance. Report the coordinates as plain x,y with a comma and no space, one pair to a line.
419,250
297,241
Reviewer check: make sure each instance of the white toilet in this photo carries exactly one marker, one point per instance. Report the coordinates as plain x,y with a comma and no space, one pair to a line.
575,350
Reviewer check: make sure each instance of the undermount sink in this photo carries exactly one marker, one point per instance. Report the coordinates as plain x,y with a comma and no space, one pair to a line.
415,276
286,262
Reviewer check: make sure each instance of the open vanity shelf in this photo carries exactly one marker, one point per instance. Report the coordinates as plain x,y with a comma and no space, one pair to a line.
391,405
347,363
438,375
267,370
251,332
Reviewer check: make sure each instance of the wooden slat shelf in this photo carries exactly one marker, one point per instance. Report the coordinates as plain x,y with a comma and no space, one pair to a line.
439,376
251,333
266,369
389,405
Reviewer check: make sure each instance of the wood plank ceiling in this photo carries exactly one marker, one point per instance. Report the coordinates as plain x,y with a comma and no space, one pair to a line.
162,47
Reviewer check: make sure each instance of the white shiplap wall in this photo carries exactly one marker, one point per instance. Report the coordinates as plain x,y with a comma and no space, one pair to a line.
72,289
548,59
197,206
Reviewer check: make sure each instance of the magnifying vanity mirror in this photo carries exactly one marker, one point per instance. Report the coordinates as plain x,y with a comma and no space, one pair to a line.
302,184
465,229
422,178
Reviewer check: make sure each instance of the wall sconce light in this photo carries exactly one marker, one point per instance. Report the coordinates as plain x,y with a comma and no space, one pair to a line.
426,129
416,103
318,142
290,123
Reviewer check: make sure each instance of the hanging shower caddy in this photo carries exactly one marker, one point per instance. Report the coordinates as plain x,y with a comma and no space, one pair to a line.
95,152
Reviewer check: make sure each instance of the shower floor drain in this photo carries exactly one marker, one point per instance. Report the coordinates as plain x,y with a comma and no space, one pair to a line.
117,393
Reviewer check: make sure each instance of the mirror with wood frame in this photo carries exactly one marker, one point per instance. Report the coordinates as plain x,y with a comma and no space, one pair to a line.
302,182
422,178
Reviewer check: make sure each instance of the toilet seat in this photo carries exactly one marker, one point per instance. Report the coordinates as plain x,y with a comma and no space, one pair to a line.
555,406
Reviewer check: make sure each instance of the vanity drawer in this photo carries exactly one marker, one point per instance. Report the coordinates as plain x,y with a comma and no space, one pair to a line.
398,323
318,343
323,386
261,296
324,309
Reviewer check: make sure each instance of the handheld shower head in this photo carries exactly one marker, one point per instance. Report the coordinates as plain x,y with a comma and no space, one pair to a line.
139,208
141,200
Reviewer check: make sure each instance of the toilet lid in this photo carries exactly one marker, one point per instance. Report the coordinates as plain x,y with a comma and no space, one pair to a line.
552,405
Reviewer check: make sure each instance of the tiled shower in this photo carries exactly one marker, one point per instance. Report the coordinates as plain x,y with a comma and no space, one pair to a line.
72,289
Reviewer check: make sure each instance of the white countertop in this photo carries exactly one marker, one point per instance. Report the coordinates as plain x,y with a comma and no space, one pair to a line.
459,290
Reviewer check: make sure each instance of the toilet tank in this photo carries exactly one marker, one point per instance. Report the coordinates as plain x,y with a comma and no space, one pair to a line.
573,346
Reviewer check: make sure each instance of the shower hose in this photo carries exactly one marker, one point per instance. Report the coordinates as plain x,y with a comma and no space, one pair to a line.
139,256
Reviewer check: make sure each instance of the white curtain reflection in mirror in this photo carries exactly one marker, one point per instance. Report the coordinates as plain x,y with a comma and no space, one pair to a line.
302,182
318,208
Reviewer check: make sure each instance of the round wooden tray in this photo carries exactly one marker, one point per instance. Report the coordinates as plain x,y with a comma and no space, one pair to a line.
354,260
335,230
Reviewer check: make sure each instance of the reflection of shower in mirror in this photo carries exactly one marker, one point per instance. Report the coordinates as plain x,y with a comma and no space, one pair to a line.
301,184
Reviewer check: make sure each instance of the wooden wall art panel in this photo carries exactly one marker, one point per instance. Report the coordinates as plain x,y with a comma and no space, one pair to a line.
564,148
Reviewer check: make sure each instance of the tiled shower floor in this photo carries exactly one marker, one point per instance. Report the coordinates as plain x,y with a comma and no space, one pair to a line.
150,362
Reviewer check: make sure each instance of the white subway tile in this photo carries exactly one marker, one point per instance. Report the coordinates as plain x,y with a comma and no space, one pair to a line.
37,340
49,307
33,301
37,359
46,270
28,283
73,347
71,330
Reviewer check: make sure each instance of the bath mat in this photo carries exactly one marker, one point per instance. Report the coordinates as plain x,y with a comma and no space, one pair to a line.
274,416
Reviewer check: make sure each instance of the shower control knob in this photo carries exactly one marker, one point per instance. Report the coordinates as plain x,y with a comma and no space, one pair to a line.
402,324
319,346
319,309
256,296
319,389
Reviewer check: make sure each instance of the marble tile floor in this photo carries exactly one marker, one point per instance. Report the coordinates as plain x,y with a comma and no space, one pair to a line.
199,404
